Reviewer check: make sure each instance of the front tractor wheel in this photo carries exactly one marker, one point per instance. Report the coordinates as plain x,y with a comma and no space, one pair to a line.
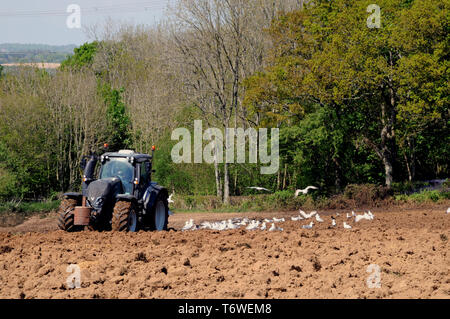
124,217
66,217
160,215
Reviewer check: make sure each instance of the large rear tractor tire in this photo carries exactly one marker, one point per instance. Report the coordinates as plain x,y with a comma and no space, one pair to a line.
124,217
159,217
66,216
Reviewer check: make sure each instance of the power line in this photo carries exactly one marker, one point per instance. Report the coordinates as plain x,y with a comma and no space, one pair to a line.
102,9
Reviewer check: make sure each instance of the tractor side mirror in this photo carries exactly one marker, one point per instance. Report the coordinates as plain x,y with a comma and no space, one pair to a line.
83,164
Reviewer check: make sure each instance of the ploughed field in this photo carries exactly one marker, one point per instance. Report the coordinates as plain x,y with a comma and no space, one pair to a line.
408,249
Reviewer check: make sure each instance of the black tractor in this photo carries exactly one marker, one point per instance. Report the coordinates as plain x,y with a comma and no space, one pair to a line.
122,198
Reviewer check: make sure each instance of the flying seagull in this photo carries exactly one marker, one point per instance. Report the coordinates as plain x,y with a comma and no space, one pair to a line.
260,189
304,191
307,216
170,201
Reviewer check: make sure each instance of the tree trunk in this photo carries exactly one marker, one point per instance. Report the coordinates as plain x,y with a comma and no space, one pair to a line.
388,115
226,177
226,184
217,173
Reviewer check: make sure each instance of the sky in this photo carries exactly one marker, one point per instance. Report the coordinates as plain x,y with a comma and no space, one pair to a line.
45,21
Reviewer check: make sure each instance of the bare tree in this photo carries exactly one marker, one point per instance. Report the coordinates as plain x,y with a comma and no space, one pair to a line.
217,44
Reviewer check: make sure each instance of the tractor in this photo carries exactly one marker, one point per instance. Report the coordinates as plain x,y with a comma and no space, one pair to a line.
123,197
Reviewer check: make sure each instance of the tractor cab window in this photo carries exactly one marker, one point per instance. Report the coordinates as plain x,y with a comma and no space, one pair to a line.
144,174
122,169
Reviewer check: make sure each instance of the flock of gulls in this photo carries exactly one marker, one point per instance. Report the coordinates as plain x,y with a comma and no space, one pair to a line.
270,224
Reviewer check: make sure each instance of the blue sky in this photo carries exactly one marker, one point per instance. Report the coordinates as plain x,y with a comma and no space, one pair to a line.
44,21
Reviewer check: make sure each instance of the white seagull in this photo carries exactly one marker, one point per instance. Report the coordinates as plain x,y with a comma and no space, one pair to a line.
189,225
260,189
230,225
310,226
276,220
318,219
296,219
448,210
304,191
263,227
347,226
170,201
358,218
333,222
307,216
254,224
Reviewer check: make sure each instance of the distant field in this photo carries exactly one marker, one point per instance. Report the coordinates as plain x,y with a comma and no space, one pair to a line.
41,65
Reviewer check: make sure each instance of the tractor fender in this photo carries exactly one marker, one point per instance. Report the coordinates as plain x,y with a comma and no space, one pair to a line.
152,193
126,198
75,196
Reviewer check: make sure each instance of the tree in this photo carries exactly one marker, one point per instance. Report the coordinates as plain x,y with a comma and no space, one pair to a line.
119,130
218,43
83,56
327,55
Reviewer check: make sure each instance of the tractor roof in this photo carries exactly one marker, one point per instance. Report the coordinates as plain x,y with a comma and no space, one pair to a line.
128,153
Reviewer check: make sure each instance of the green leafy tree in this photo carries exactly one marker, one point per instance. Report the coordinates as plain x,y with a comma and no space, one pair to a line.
83,57
327,55
119,124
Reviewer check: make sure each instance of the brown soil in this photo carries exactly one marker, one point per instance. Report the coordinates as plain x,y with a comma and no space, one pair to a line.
411,247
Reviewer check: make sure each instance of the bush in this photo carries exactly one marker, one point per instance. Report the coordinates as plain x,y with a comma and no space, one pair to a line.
366,194
424,196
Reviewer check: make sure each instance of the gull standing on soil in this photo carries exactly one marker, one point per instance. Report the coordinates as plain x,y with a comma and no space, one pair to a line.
304,191
189,225
263,227
346,226
230,225
310,226
254,224
448,210
274,228
296,219
318,219
333,221
276,220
